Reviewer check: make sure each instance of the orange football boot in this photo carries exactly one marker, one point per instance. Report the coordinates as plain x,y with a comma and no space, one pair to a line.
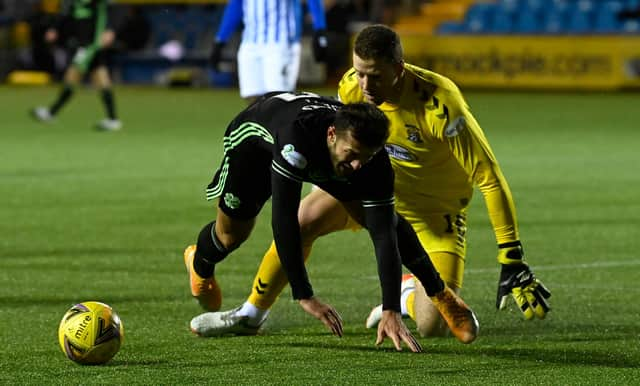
206,291
459,317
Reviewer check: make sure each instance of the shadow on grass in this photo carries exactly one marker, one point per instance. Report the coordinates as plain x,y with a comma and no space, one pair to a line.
139,362
560,356
532,355
572,333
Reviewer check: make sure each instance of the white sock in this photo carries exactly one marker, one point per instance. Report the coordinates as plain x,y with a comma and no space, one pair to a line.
256,315
403,301
408,288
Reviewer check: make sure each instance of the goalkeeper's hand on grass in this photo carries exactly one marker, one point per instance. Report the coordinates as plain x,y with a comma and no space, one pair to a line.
518,281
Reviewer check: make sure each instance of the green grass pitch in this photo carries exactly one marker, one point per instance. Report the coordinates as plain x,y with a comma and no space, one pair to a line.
105,216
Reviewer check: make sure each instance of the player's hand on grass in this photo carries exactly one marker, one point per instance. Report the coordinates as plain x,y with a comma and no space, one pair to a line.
518,281
216,55
392,326
325,313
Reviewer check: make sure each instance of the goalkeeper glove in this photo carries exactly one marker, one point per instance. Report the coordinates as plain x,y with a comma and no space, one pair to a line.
517,280
216,55
320,45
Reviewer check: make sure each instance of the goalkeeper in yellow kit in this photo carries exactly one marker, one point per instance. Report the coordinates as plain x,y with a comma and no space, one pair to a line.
439,153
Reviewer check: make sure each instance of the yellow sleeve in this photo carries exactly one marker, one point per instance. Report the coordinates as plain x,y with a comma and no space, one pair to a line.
469,146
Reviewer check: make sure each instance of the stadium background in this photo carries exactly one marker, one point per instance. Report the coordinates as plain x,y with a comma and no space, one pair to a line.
541,44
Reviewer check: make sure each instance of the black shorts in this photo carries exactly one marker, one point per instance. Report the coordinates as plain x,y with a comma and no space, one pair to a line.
243,181
86,60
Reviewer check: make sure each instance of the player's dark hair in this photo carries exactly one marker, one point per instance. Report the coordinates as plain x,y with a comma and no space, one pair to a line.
366,123
378,42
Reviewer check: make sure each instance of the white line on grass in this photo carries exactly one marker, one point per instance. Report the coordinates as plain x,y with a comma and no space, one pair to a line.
536,268
597,264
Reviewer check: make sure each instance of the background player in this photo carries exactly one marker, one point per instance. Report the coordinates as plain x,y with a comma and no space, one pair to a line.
84,27
269,52
439,153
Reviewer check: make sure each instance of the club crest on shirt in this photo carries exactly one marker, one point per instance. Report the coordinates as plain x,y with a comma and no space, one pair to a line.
232,201
413,133
294,158
398,152
455,127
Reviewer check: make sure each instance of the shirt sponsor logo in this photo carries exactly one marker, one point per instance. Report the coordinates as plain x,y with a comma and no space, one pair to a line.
455,127
294,158
399,152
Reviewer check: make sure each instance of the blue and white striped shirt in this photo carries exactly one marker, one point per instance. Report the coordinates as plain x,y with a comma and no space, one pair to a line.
269,21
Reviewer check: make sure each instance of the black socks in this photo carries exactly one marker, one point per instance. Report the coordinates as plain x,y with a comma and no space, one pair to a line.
209,251
63,97
109,105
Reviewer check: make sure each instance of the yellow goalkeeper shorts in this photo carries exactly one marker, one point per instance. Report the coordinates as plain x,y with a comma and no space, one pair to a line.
443,236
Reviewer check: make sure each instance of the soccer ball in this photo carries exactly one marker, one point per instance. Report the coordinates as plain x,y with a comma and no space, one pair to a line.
90,333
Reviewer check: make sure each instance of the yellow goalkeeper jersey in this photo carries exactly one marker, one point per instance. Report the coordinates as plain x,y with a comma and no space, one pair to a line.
439,151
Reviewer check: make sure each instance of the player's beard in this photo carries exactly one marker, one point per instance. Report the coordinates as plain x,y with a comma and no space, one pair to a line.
340,168
343,169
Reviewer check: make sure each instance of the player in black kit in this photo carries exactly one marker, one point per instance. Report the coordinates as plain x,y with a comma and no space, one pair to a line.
270,149
85,28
